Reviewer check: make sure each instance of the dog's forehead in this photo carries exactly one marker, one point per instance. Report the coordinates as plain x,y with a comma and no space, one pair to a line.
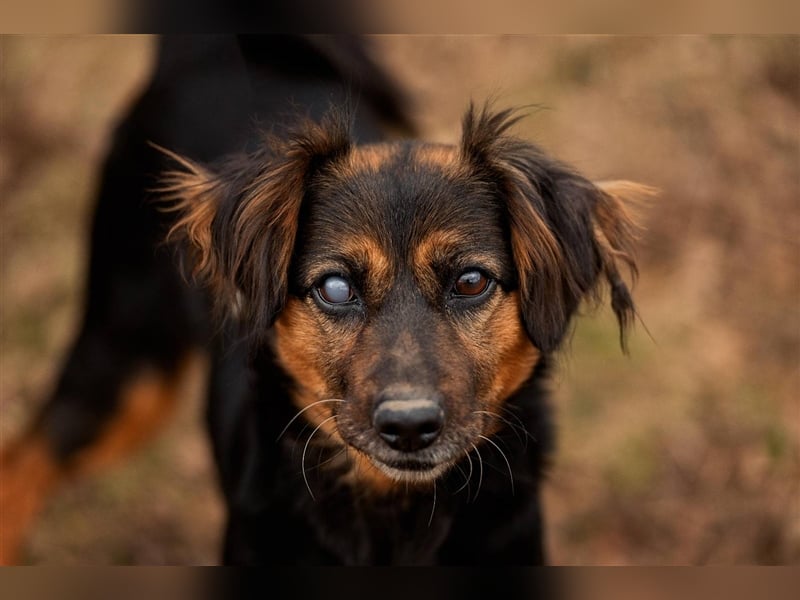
399,194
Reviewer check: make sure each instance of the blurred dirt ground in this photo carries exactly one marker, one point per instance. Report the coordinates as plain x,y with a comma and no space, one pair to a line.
687,451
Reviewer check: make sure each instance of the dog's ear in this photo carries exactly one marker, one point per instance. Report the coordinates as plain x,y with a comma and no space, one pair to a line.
565,231
238,223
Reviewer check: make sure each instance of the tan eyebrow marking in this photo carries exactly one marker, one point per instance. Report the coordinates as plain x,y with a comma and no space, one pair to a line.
436,245
439,246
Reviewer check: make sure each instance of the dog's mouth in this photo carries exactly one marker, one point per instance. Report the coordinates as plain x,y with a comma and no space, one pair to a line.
411,470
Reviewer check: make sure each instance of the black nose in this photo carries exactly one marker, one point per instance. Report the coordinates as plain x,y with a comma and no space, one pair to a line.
408,425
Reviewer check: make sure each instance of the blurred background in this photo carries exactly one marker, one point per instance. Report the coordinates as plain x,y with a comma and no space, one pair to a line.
685,452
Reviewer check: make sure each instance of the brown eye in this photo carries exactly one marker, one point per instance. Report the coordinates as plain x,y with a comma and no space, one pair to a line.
471,283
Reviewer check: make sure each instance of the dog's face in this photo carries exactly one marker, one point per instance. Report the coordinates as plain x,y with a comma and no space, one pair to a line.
403,303
408,290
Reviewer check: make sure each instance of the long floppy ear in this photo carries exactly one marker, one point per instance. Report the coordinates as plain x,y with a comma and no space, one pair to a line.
238,223
565,230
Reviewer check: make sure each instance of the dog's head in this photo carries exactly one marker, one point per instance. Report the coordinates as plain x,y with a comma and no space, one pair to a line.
407,289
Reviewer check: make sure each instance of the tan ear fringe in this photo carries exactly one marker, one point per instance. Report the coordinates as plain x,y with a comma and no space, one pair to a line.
615,230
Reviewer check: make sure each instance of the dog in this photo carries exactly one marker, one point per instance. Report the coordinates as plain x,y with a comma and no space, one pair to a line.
385,315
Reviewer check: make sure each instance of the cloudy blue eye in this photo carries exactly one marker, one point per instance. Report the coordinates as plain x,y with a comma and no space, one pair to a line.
335,290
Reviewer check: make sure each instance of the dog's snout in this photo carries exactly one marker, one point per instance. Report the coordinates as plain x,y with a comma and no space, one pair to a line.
410,424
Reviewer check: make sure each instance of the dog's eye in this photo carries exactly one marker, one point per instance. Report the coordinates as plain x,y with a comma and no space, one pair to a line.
470,283
335,290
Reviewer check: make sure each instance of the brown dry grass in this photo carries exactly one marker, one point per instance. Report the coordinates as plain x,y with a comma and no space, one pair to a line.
686,452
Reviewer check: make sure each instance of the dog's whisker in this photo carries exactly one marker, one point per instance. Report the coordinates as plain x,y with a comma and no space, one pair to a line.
300,434
305,449
330,458
296,447
467,477
522,426
433,508
480,472
294,418
505,458
464,475
514,428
